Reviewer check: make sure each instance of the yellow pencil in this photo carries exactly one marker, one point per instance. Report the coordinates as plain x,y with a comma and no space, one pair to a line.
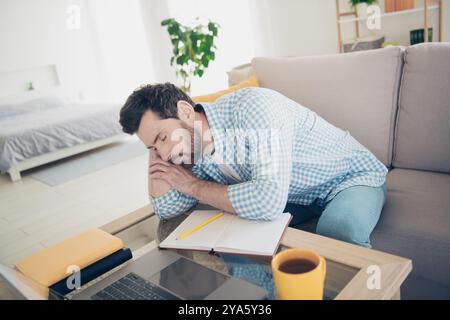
201,225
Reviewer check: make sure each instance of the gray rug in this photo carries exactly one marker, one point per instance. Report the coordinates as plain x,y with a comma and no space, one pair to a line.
64,170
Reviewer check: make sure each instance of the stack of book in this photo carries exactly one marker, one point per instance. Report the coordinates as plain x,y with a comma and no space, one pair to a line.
76,261
398,5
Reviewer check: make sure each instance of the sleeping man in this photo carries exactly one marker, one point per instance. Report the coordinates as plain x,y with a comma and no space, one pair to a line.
257,154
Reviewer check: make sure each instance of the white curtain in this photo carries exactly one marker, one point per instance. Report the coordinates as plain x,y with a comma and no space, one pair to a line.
136,49
121,40
235,43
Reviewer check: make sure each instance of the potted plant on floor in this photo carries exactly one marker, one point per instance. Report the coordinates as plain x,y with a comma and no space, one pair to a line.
193,48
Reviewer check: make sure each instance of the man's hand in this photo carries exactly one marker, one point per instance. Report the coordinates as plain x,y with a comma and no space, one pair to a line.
208,192
176,176
156,187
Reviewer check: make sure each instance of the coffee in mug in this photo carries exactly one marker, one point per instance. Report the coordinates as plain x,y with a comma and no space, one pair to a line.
299,274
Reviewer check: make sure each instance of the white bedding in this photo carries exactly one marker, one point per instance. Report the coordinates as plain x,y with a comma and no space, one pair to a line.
38,130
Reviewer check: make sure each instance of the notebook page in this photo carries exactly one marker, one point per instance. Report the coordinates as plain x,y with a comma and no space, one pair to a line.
253,237
203,239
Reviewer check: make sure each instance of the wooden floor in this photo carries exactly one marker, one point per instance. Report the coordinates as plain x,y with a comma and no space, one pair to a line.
34,215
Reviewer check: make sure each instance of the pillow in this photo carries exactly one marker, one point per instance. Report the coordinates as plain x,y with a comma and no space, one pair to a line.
34,105
64,93
250,82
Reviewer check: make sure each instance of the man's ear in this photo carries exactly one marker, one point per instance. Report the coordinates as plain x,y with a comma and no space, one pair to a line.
186,112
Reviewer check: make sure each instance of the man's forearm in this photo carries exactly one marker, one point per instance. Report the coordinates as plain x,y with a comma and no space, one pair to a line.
211,193
164,175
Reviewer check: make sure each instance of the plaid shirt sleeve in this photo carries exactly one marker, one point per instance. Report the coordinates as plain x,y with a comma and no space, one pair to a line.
173,202
264,196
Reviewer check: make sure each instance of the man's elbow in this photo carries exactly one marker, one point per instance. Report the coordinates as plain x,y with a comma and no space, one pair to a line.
271,209
167,209
275,203
266,202
272,213
163,215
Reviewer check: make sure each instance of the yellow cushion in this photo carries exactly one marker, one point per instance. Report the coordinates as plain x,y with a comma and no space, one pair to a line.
250,82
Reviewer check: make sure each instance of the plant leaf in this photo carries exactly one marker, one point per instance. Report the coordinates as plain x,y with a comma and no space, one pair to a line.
192,47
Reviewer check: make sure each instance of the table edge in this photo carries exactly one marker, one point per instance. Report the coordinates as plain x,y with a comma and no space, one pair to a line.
394,268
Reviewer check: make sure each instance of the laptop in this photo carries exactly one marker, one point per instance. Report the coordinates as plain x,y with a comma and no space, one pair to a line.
157,275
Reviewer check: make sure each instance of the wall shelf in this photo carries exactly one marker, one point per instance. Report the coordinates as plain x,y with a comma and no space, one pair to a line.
356,19
390,14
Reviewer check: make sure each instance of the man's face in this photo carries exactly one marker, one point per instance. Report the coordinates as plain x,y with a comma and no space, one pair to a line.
171,139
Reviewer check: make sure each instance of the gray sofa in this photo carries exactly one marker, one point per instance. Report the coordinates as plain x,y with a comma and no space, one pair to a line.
396,101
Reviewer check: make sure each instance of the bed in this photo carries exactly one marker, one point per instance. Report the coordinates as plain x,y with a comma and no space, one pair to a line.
46,129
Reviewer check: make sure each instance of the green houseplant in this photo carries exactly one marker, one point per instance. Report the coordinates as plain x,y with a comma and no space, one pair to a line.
360,6
193,48
354,3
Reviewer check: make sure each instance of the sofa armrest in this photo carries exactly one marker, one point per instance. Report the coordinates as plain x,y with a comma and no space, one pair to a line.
239,74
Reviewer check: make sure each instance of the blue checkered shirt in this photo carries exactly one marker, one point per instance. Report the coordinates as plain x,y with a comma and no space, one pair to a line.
281,151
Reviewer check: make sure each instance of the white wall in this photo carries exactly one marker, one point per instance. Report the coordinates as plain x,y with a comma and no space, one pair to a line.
105,59
295,27
34,33
121,42
122,45
158,42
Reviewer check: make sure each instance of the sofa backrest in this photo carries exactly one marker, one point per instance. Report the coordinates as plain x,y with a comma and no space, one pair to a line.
357,91
422,139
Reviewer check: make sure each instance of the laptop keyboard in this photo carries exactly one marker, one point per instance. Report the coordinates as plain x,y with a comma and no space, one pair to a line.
133,287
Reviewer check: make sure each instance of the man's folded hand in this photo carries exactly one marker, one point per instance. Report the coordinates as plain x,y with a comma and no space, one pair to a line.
156,187
175,175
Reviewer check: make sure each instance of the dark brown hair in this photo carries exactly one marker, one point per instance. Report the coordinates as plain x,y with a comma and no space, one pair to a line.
160,98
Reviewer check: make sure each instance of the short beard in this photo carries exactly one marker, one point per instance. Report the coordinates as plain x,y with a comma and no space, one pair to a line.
196,145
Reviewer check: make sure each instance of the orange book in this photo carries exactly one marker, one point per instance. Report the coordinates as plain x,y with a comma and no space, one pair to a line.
398,5
389,5
52,264
404,4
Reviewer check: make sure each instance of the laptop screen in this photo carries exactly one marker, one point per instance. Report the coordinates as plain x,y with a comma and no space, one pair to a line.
189,280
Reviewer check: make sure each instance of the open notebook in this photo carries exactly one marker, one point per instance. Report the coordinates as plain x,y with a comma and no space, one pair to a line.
229,234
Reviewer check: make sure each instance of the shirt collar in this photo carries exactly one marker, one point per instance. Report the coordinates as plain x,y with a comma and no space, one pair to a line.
217,130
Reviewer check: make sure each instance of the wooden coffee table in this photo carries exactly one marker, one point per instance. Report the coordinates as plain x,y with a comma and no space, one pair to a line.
353,272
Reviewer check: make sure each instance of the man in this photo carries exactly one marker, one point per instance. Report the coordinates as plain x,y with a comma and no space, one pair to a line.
255,153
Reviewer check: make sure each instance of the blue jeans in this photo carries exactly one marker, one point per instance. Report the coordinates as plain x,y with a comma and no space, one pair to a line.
350,216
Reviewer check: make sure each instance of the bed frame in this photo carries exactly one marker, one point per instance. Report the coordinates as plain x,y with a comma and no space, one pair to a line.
47,79
14,171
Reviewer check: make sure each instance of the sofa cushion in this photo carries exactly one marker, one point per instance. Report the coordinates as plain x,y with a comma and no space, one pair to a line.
415,222
423,129
355,91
